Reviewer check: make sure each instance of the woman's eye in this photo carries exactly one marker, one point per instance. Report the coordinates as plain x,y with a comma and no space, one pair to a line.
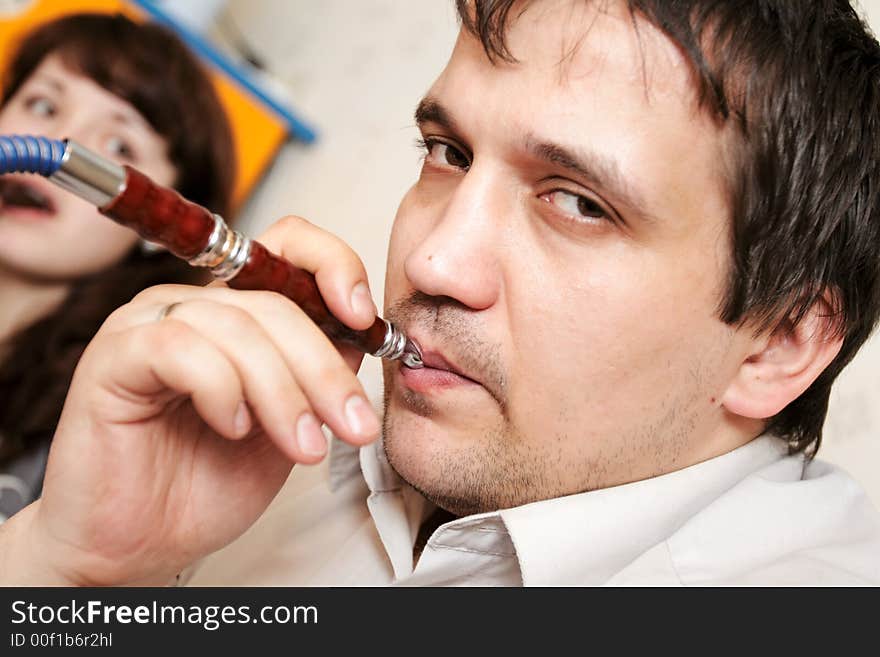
118,147
39,106
575,205
446,155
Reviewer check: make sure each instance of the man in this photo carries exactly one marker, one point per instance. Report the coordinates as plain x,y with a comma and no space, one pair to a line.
641,248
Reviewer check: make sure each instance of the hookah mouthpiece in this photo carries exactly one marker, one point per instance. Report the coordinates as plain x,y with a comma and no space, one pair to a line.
191,232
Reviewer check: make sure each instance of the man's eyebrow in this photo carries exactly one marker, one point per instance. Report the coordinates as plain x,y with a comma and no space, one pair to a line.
430,110
598,169
595,168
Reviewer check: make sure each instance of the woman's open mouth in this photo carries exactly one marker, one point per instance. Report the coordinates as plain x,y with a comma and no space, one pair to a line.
25,199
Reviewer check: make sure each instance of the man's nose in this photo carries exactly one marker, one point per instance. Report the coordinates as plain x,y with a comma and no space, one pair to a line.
459,257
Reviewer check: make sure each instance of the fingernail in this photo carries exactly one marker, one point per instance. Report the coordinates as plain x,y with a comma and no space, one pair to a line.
309,435
242,419
362,302
360,416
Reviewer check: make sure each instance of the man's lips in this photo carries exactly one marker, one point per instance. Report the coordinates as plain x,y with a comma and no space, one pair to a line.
436,361
458,350
438,373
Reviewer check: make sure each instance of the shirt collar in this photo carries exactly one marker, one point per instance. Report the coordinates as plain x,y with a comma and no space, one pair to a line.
397,509
584,538
588,537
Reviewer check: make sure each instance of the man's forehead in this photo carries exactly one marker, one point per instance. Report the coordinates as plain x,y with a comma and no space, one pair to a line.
575,42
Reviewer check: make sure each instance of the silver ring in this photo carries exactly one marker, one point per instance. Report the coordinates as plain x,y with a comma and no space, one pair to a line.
167,310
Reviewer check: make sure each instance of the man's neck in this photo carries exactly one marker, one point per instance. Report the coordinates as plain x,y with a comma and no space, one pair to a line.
731,434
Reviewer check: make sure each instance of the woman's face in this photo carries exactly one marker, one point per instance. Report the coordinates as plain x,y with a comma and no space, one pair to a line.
46,232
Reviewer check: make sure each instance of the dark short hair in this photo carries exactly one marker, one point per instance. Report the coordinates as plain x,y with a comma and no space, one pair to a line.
149,67
800,82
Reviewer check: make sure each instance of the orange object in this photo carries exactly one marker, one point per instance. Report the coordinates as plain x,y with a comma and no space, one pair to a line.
259,129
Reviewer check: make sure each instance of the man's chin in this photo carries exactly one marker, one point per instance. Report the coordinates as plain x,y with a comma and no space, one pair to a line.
423,470
416,433
439,441
443,458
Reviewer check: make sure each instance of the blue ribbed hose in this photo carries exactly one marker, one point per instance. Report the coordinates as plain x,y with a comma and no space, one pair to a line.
27,154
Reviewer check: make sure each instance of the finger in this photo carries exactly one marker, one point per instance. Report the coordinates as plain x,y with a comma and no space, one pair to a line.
270,387
339,272
148,360
321,371
147,305
328,382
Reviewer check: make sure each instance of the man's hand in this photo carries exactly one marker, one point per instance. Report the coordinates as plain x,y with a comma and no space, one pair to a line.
184,418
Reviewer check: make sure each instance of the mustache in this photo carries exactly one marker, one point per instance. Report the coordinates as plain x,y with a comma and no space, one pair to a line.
458,333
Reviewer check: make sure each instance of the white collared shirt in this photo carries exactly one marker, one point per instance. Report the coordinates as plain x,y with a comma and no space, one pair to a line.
752,516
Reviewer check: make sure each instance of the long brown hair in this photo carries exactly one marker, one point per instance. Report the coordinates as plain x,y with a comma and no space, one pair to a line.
150,68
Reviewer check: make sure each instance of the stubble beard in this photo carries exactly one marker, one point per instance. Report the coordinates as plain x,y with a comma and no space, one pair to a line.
497,465
496,469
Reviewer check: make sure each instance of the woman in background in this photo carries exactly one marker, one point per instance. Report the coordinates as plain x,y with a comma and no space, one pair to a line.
134,93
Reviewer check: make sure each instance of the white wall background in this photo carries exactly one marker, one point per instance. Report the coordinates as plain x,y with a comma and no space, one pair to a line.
871,8
356,69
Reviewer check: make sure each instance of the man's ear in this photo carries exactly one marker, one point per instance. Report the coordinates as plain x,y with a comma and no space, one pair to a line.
783,364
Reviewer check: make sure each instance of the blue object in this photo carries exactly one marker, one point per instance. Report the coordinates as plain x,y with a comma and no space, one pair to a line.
295,126
27,154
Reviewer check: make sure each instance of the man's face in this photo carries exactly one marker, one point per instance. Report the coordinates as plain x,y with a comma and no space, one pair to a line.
564,251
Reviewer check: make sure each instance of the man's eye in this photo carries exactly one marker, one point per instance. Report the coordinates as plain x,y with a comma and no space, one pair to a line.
119,148
39,106
581,208
445,154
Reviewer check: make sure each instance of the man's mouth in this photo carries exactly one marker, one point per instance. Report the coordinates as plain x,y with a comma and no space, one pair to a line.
17,194
439,373
435,361
462,360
